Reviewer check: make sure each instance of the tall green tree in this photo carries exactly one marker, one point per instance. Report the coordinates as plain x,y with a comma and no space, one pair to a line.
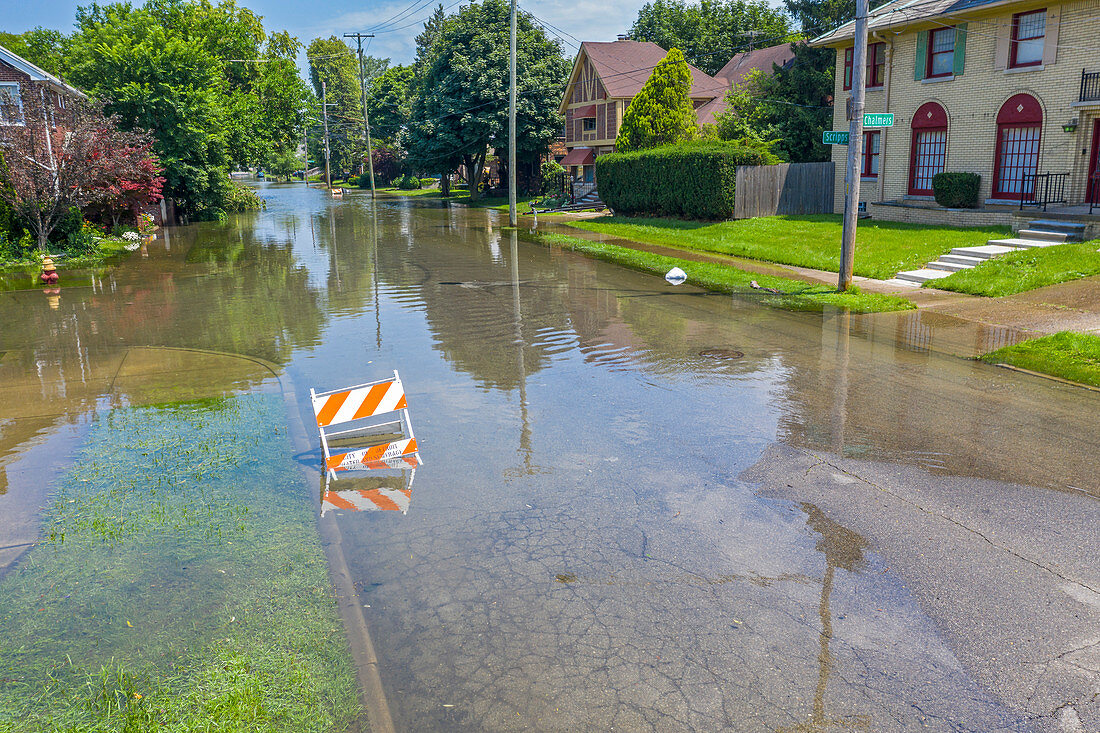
819,16
194,73
433,26
335,65
711,32
389,101
791,106
662,113
461,108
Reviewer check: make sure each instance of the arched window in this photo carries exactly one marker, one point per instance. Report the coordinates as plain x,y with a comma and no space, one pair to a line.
928,152
1019,124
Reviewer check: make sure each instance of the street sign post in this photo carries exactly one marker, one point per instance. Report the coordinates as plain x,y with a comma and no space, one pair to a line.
834,137
871,119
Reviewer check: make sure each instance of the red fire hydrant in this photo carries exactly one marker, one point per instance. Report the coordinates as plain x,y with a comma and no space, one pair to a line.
49,274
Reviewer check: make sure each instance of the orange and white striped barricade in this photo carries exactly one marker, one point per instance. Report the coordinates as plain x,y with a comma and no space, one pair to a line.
355,406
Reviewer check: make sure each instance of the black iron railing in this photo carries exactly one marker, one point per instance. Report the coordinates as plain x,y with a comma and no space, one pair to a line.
1090,86
1094,192
1045,189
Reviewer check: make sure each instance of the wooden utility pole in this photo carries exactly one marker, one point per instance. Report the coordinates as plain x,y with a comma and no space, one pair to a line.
363,96
324,114
512,118
855,149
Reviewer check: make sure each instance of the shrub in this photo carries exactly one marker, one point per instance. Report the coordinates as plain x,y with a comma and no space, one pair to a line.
429,181
956,190
691,180
408,182
662,112
360,181
389,161
241,198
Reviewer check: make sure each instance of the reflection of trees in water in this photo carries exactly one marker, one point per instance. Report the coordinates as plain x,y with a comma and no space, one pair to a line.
843,549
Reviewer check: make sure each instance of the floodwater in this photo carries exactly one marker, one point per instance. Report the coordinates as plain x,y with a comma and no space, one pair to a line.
641,507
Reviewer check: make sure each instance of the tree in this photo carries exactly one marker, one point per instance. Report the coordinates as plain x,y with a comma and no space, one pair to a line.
461,108
388,101
128,195
711,32
335,65
45,48
284,98
424,42
52,170
792,106
662,113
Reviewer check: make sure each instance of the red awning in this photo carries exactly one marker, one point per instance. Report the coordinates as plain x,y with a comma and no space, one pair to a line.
579,156
589,111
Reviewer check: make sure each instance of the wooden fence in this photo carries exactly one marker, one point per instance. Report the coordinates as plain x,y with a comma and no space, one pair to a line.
789,188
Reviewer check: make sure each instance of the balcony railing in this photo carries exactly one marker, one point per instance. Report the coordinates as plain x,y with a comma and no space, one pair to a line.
1094,192
1090,86
1045,188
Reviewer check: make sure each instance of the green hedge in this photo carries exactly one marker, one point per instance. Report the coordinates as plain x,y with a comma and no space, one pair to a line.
956,190
691,180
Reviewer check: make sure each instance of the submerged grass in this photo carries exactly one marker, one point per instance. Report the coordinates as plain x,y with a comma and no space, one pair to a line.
1027,269
794,295
1068,355
883,248
180,586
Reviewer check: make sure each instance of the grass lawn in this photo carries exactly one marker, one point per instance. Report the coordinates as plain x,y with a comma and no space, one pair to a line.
795,295
1026,270
1072,356
180,585
882,248
434,192
105,250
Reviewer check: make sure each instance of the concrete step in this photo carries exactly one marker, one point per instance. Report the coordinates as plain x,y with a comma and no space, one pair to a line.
961,259
1018,243
1075,230
949,266
921,276
900,282
984,251
1043,235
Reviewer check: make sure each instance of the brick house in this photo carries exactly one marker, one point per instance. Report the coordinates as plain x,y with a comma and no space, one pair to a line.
1008,89
604,80
19,77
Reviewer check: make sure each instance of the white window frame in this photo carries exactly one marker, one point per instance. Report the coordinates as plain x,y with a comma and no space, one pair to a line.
18,96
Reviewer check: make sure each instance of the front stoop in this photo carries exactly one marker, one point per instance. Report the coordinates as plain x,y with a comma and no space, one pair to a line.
1038,234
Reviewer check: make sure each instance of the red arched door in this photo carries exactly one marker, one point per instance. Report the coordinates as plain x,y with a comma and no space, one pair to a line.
928,150
1019,128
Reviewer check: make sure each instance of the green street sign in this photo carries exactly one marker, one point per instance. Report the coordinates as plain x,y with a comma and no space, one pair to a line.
871,119
834,137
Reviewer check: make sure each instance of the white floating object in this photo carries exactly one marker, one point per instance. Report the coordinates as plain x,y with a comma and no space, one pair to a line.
676,276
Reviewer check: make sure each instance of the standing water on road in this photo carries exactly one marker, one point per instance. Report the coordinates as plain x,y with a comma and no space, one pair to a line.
642,506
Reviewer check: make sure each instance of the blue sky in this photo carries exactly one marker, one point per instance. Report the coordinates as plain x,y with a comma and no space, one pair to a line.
589,20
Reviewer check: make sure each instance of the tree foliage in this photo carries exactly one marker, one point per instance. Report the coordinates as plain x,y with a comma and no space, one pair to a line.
711,32
819,16
47,49
461,106
184,70
388,101
334,72
791,106
662,112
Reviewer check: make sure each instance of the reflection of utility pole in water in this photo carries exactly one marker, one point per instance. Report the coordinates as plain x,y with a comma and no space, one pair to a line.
332,244
525,430
374,272
843,549
842,323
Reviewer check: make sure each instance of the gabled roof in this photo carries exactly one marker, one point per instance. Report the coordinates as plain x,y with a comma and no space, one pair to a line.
900,14
705,115
37,74
625,66
742,64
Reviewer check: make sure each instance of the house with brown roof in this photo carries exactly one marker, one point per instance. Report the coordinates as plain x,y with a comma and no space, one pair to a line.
607,76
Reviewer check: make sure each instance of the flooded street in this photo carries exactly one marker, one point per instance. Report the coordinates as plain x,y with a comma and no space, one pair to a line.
641,507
